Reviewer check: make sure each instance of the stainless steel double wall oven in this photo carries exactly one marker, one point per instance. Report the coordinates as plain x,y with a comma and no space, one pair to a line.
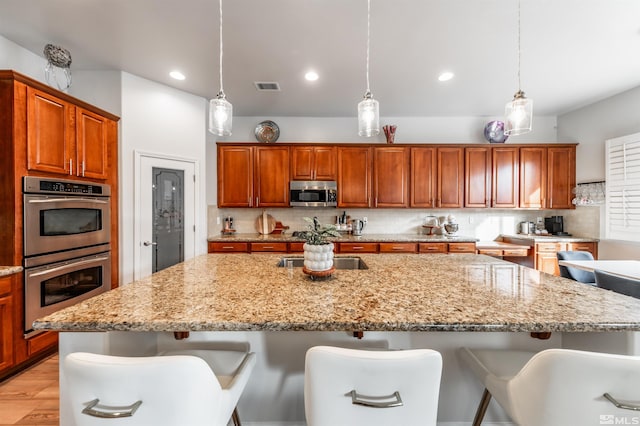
67,251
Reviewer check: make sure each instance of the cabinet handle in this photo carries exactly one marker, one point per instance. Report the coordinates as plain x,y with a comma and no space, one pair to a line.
397,248
70,166
250,201
267,247
227,248
357,248
257,201
83,169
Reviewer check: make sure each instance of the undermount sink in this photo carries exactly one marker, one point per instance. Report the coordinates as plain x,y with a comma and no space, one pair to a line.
346,262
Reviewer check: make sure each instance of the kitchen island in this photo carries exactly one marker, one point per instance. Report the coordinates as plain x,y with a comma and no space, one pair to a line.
401,301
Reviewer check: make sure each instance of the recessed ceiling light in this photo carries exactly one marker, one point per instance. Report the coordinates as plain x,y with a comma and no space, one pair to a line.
311,76
177,75
445,76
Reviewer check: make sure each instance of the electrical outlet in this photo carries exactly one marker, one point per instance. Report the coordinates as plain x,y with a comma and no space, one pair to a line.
218,220
470,219
365,220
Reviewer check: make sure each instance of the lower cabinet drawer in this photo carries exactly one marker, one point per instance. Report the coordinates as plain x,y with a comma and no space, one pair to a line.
462,247
217,247
41,342
358,247
296,247
490,252
269,247
515,252
398,248
432,247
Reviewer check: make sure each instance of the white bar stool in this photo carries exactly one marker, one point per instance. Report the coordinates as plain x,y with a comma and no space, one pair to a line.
171,390
556,386
361,387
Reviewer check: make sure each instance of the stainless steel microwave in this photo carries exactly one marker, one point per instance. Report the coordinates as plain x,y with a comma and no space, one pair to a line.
313,193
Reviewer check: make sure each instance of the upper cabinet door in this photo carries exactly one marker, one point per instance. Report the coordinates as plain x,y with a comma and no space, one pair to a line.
313,163
533,177
477,172
271,176
391,177
325,163
423,177
92,144
50,134
235,176
562,177
505,163
450,192
354,177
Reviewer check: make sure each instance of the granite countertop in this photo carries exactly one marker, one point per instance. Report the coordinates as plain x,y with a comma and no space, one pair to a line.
408,292
9,270
535,238
346,238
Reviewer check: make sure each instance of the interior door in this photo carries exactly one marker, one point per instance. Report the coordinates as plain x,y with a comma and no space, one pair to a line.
165,214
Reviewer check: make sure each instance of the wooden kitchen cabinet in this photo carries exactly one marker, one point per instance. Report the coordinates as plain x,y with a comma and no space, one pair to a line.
591,247
356,247
235,176
253,176
354,176
7,325
432,248
67,140
398,248
450,182
533,177
561,170
477,172
546,259
269,247
462,248
313,163
504,180
391,177
271,176
227,247
423,177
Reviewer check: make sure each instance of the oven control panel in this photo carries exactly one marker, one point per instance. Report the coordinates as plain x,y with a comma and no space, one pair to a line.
38,185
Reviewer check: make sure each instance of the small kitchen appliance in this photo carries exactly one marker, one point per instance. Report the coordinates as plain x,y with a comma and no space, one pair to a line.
228,226
555,225
527,228
357,225
313,193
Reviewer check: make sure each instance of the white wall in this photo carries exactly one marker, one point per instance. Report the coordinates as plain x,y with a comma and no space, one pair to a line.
14,57
158,119
591,126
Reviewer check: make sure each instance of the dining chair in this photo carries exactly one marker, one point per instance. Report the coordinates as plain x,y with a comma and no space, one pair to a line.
556,387
617,283
169,390
576,274
369,387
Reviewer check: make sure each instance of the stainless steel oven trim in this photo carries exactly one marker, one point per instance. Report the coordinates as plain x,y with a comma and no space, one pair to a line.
32,262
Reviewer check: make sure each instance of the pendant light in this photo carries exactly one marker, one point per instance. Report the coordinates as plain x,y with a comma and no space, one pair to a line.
518,112
368,108
220,110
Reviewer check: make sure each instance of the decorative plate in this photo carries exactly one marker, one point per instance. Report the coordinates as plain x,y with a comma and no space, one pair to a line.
494,132
267,132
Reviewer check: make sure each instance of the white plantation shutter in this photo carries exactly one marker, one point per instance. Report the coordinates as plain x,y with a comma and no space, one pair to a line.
623,188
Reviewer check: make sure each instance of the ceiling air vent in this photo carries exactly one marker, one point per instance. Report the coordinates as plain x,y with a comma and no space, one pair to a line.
267,86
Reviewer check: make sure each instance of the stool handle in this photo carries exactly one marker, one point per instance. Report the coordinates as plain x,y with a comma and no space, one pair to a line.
375,401
112,412
619,405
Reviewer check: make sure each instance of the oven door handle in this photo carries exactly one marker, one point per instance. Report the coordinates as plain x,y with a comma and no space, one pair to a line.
61,267
68,200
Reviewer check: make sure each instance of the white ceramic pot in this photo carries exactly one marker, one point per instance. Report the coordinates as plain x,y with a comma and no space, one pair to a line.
318,257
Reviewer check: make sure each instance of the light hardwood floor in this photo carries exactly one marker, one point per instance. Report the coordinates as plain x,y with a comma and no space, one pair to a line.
31,397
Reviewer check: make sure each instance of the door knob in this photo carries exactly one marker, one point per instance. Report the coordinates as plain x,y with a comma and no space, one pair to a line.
148,243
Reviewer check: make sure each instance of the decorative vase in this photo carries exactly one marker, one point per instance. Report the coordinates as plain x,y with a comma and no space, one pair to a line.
318,257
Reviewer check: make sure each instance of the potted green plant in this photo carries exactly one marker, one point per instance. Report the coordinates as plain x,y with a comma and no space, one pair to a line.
318,250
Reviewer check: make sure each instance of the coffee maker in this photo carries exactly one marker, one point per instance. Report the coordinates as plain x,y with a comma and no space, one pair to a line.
555,225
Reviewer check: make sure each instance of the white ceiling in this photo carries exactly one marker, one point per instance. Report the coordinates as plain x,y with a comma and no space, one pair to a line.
574,52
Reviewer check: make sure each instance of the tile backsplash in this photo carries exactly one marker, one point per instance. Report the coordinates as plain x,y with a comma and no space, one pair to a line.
484,224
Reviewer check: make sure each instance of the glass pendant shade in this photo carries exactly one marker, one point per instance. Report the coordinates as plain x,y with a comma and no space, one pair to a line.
220,115
519,115
368,117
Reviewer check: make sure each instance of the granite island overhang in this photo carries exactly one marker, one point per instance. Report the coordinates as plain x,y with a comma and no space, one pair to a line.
402,301
399,292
